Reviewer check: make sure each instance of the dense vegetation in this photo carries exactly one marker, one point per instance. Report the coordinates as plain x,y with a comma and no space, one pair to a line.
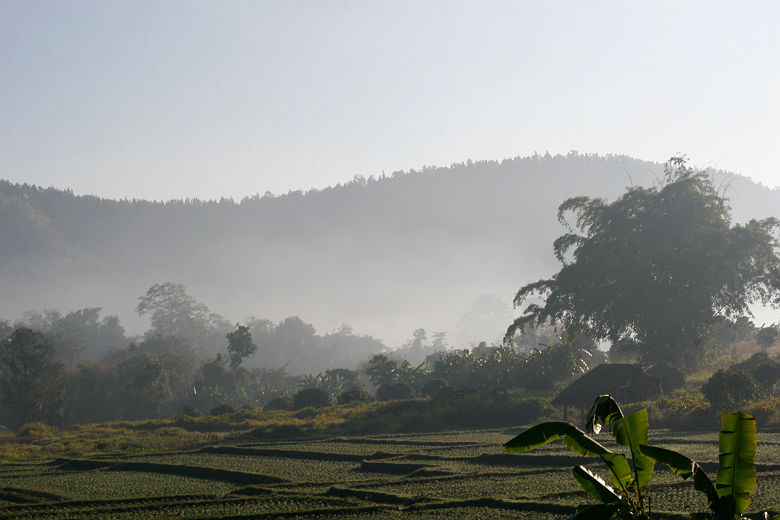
635,278
656,270
385,254
661,274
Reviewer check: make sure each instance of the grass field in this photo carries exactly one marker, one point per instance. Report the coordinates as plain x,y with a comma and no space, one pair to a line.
440,475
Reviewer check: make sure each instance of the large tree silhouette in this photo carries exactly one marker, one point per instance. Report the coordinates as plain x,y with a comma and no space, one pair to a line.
656,268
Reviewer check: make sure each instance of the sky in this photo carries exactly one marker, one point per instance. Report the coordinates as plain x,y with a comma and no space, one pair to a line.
192,98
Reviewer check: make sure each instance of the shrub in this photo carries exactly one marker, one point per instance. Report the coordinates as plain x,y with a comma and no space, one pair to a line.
434,386
190,411
730,389
394,391
767,411
313,397
222,409
766,375
280,403
356,395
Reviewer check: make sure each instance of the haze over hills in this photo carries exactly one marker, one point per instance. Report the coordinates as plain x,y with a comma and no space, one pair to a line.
385,255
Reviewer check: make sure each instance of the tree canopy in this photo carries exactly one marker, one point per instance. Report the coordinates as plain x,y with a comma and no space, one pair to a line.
31,379
240,344
173,312
656,268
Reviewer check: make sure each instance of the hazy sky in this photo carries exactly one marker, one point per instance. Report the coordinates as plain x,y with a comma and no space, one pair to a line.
180,98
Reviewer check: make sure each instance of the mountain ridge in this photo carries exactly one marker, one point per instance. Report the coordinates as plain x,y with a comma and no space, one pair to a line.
386,255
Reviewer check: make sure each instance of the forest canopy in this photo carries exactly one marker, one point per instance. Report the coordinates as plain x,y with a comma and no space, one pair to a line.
655,270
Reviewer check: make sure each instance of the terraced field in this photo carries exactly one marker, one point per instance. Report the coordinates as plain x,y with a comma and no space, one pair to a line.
445,475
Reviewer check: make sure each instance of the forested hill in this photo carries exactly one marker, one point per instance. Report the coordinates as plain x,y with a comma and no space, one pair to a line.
385,255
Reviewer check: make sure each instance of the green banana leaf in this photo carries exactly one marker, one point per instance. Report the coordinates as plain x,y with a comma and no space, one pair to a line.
628,431
545,433
596,512
619,470
686,468
736,468
632,431
595,486
604,412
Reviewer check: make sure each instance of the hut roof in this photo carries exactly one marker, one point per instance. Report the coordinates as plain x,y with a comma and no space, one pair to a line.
626,382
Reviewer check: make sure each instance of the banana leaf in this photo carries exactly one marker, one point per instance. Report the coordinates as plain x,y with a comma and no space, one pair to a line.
604,412
736,468
632,431
686,468
595,486
545,433
619,470
628,431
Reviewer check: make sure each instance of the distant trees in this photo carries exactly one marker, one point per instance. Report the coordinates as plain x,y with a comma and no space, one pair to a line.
32,385
384,370
240,344
173,312
79,334
296,344
149,379
768,336
656,268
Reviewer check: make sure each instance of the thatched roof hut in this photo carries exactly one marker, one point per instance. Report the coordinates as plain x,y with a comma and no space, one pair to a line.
624,381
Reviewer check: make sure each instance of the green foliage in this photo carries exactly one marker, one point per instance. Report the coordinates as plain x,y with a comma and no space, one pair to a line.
656,268
626,499
311,397
765,371
505,366
280,403
730,389
78,333
383,370
730,495
173,312
240,344
222,409
768,336
355,395
335,382
394,391
32,384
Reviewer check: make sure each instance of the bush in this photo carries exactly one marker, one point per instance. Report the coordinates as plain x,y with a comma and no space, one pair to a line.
356,395
222,409
434,386
394,391
765,370
313,397
190,411
279,403
766,412
730,389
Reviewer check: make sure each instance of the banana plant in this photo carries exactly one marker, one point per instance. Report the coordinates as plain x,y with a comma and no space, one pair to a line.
735,481
625,500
